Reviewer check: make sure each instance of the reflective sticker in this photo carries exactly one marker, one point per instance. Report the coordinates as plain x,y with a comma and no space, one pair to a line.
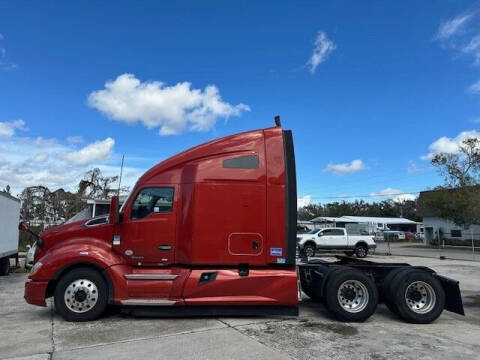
276,251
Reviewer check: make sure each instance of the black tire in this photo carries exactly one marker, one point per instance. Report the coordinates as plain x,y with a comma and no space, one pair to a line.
388,284
341,280
308,288
4,266
309,250
361,251
418,289
349,253
95,311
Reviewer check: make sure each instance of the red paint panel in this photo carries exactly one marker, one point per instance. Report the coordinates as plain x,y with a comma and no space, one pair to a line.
245,244
147,289
223,209
275,198
260,287
35,292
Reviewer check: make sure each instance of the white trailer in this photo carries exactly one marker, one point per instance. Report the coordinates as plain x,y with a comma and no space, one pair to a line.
9,219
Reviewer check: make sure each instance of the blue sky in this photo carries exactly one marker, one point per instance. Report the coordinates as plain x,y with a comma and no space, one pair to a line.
368,88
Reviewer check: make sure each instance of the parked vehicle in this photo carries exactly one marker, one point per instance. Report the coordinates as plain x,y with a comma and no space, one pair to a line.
30,255
419,235
336,239
9,217
409,236
394,235
379,236
307,235
212,231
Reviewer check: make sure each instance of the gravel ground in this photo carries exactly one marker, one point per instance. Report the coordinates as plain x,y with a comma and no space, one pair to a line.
38,333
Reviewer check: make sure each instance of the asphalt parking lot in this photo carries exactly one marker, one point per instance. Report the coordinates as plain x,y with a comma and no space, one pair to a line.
30,332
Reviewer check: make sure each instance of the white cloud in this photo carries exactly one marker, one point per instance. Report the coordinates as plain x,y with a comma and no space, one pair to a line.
474,88
40,157
75,139
394,194
26,161
304,201
346,168
156,105
460,34
472,48
453,26
7,128
41,142
323,47
99,150
5,63
449,145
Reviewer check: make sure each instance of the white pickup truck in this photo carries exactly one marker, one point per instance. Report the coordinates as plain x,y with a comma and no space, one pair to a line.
335,239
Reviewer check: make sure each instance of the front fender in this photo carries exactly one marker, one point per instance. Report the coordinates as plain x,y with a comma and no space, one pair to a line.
75,251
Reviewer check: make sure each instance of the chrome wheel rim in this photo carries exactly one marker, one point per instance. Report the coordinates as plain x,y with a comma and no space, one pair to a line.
420,297
81,295
309,251
353,296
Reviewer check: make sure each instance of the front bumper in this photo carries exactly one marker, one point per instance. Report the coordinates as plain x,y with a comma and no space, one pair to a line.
374,246
35,292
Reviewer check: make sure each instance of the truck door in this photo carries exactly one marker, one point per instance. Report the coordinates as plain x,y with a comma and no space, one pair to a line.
148,227
333,238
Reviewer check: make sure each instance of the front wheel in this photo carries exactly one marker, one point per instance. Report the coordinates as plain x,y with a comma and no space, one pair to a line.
351,296
81,295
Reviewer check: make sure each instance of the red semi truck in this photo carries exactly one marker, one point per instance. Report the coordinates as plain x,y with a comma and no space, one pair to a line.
212,230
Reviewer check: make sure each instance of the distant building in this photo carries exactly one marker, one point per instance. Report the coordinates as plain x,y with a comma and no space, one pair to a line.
95,207
439,230
375,223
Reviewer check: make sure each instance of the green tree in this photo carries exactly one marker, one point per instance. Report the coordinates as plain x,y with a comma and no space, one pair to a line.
459,198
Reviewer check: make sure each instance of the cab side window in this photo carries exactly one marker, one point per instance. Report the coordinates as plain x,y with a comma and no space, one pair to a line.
152,200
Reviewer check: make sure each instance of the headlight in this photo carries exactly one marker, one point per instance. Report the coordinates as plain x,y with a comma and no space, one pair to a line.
35,268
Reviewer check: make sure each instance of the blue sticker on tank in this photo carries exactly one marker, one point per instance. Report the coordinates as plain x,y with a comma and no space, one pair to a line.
276,251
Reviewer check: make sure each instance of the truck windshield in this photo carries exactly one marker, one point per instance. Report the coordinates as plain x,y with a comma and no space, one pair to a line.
314,231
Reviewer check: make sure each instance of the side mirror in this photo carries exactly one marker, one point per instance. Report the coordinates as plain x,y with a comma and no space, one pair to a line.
113,216
24,226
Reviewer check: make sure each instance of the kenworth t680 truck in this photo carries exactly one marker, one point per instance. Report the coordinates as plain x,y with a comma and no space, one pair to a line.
212,230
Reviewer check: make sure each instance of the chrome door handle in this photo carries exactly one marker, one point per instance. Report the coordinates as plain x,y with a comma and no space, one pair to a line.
165,247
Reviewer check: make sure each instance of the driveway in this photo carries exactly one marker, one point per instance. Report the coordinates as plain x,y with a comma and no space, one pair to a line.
418,249
38,333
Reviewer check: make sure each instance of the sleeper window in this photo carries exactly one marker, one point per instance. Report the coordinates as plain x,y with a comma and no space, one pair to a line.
152,200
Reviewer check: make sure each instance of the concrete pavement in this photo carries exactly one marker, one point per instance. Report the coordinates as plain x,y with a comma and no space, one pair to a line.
417,249
31,331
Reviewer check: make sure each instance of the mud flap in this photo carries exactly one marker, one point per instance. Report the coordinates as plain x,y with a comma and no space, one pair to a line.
453,298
